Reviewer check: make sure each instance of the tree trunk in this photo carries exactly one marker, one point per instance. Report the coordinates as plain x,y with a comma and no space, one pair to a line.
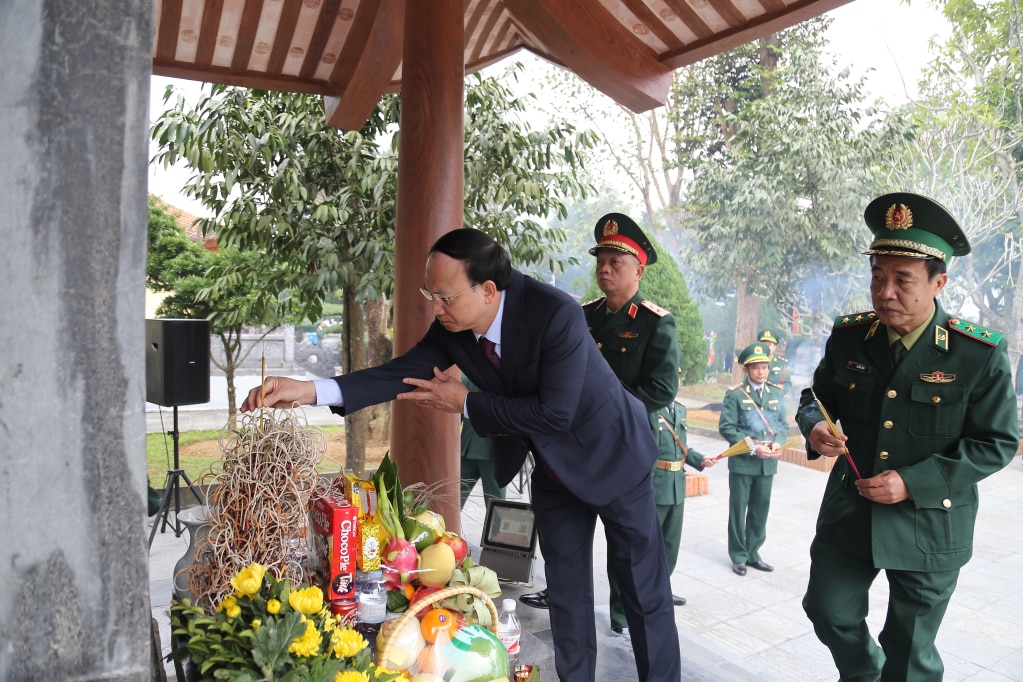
378,316
354,354
747,320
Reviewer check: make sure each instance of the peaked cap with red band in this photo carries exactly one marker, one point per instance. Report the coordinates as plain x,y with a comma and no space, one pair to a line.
620,232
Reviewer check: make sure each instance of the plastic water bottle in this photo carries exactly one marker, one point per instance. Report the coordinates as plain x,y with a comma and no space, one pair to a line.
372,608
509,632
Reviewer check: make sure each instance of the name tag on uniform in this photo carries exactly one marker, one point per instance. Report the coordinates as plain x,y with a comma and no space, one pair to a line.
858,367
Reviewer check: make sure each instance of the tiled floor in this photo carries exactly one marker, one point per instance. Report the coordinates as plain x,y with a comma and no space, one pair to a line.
753,627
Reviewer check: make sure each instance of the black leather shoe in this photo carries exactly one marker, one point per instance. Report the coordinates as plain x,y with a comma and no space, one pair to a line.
739,569
677,600
538,600
760,566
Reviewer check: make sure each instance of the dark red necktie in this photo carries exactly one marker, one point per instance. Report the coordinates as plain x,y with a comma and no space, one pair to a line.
490,350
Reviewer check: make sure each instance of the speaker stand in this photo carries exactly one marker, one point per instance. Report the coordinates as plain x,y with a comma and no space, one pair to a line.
173,487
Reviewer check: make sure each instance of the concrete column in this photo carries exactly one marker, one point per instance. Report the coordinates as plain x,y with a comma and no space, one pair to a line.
74,78
431,181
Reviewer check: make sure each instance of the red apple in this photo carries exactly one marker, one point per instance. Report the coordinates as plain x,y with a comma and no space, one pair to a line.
422,593
458,545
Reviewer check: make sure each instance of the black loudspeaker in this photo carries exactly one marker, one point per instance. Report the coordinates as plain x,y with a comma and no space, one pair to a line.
177,362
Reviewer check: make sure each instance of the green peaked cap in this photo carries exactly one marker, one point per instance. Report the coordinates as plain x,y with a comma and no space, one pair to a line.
913,226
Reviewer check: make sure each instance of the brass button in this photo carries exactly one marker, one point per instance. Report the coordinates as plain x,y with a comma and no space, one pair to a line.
892,393
936,399
884,454
852,386
888,424
946,503
623,349
660,428
599,345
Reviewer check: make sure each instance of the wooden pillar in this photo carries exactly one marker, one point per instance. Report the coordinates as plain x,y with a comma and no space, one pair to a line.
424,443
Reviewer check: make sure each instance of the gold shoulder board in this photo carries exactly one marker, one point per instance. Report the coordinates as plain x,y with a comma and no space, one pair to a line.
654,308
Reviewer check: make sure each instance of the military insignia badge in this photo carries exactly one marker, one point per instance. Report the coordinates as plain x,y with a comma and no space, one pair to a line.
628,335
633,309
898,217
610,228
937,377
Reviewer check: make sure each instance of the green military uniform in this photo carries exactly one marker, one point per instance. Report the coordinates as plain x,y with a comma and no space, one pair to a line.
746,412
477,461
670,476
640,343
943,418
778,365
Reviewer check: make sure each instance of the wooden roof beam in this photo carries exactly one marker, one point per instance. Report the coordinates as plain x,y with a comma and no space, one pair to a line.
588,41
366,67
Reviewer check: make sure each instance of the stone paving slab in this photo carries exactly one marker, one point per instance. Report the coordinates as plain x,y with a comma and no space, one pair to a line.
753,628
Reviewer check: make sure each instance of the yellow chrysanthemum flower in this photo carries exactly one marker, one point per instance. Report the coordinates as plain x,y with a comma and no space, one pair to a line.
309,643
248,580
273,606
256,623
348,642
351,676
307,601
230,606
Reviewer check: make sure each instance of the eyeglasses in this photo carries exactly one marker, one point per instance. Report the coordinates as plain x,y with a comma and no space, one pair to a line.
445,300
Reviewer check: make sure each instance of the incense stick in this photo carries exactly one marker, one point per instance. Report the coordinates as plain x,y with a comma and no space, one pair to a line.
835,432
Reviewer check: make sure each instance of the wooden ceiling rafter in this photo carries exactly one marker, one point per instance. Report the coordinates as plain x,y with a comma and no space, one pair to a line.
625,48
587,40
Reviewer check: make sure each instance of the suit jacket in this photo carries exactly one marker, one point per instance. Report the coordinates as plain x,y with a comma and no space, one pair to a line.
943,419
555,394
762,418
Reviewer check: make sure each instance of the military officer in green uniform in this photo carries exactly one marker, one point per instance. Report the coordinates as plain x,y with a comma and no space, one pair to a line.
753,409
670,481
778,366
926,410
636,337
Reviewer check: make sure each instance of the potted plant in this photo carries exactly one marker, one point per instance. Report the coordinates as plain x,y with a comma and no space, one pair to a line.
269,629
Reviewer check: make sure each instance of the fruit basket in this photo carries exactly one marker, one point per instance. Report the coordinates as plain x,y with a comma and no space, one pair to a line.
455,653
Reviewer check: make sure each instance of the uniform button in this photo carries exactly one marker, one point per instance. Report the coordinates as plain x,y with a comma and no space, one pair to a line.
600,345
660,428
623,349
936,399
888,424
946,503
892,393
852,386
884,454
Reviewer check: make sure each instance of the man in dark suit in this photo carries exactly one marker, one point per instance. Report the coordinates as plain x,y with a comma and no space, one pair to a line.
544,387
925,404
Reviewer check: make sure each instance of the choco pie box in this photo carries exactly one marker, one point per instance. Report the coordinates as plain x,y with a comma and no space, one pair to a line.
336,540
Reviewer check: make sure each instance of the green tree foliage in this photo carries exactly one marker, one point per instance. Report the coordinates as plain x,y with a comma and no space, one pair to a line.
187,272
966,151
785,190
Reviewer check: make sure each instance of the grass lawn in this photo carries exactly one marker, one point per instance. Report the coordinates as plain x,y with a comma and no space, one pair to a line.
197,450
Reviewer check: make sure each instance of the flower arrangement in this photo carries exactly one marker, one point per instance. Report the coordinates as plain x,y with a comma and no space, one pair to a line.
269,629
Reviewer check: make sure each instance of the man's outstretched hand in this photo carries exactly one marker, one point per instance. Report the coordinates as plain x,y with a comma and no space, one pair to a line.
280,392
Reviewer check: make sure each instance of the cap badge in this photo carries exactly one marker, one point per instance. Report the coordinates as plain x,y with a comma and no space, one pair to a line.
610,228
898,217
758,349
